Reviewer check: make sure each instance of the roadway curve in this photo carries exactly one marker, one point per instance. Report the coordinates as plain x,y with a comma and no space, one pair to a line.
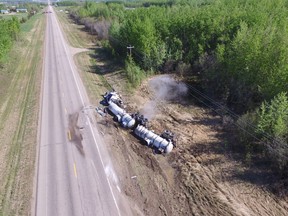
73,174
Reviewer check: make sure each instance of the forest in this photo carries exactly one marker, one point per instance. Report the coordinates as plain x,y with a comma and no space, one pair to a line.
234,52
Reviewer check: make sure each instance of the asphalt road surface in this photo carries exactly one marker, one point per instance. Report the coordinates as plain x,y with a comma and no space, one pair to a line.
74,173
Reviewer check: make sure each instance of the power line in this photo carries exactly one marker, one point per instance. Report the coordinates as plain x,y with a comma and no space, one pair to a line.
136,52
216,104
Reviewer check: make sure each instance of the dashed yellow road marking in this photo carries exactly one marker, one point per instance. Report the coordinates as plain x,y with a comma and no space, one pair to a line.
75,170
69,135
65,110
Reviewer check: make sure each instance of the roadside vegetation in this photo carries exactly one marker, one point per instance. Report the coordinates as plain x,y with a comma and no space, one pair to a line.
232,54
20,74
10,27
66,3
9,32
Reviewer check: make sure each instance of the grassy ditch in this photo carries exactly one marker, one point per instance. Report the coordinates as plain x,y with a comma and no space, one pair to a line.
28,26
73,32
19,96
90,70
9,16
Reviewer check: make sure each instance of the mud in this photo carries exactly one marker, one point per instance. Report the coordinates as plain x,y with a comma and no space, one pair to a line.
75,134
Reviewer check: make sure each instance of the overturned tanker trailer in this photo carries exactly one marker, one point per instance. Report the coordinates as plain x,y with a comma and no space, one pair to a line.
112,100
164,143
121,116
161,144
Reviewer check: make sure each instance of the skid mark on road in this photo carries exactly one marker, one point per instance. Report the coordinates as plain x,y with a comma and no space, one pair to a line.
75,135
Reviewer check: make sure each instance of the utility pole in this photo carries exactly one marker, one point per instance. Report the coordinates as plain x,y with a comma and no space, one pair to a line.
130,49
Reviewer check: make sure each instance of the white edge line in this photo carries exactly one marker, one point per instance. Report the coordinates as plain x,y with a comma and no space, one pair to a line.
37,159
78,88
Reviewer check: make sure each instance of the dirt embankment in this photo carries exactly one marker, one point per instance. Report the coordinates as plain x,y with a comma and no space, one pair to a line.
200,177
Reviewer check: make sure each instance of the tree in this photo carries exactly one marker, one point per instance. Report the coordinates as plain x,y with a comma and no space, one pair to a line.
9,32
272,124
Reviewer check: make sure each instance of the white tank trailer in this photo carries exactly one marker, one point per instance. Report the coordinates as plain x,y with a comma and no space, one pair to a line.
122,117
163,145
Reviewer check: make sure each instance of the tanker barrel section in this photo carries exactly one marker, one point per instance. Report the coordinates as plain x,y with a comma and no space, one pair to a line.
121,116
163,143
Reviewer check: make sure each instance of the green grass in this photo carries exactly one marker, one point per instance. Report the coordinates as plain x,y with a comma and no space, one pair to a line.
74,33
19,16
28,25
21,94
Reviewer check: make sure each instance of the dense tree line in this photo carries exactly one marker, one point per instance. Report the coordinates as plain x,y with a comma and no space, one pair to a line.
240,44
66,3
9,31
237,51
268,126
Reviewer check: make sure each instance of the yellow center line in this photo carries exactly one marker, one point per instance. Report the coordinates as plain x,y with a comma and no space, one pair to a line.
75,171
69,135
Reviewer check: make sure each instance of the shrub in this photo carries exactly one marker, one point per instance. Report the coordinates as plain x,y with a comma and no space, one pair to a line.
134,74
272,124
23,20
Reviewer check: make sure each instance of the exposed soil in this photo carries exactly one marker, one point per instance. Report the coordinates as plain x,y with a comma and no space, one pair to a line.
202,176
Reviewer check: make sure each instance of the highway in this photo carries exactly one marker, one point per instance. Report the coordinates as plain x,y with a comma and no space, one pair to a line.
74,173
